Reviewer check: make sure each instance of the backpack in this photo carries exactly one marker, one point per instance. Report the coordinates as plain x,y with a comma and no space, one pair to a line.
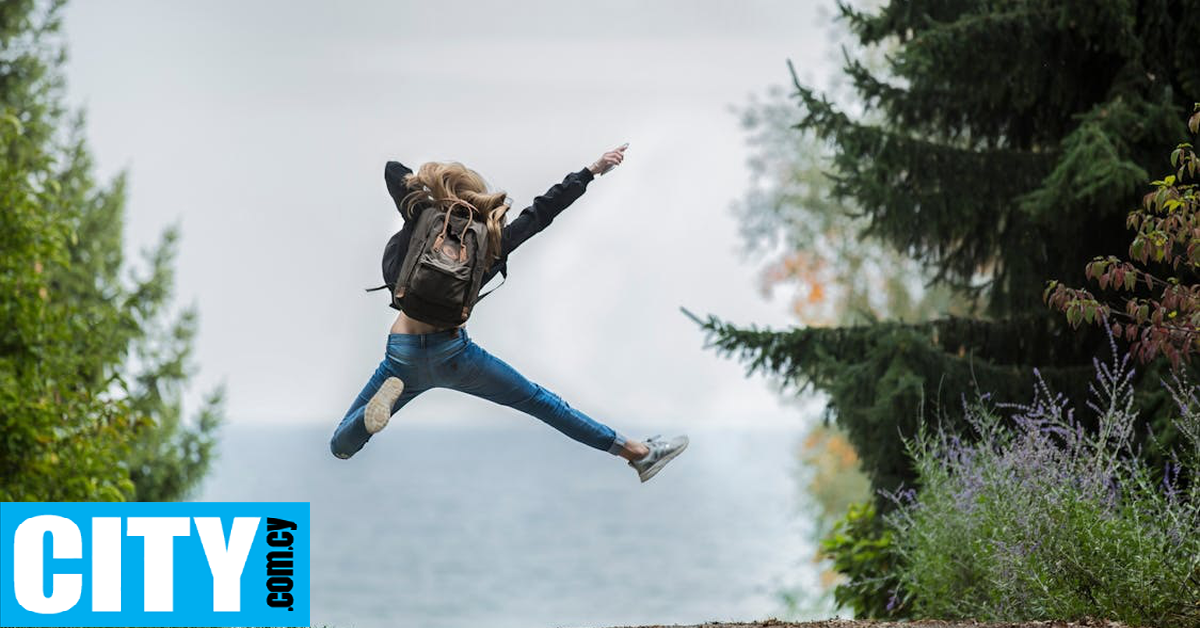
438,280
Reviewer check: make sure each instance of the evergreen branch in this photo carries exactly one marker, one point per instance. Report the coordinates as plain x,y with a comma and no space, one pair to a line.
884,378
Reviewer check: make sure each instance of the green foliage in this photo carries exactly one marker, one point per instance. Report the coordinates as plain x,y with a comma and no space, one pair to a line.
904,372
92,363
63,439
863,550
1001,146
1162,314
1038,519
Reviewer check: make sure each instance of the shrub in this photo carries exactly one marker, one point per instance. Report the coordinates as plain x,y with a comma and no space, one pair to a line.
863,550
1038,518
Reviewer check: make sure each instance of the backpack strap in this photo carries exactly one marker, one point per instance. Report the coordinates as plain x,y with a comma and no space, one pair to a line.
503,278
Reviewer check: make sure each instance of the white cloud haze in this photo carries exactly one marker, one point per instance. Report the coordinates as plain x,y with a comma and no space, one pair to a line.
262,129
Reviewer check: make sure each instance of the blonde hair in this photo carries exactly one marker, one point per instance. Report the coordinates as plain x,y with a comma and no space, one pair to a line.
451,183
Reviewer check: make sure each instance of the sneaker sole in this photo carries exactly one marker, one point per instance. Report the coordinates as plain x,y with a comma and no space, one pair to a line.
379,408
656,467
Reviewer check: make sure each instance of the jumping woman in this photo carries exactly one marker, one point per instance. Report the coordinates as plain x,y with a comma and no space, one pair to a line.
455,238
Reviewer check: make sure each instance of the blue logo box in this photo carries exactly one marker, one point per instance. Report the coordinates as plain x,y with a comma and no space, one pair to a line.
154,564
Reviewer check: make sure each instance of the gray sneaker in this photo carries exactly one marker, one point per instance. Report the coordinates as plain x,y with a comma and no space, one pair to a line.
379,408
661,452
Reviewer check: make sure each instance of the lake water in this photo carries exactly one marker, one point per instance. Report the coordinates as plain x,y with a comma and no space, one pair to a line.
517,526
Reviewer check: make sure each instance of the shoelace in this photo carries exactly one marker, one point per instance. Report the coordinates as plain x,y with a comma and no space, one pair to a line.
656,445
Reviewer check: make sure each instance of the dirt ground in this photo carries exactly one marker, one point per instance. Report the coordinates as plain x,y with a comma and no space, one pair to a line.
846,623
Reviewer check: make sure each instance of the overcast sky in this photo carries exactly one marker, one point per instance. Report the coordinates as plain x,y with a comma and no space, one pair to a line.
261,128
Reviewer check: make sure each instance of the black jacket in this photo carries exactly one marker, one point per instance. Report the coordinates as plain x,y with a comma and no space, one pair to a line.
531,220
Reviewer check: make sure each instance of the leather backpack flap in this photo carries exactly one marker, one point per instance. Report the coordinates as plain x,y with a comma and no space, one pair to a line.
452,246
470,250
477,231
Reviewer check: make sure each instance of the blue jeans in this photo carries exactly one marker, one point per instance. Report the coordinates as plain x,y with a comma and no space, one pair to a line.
448,359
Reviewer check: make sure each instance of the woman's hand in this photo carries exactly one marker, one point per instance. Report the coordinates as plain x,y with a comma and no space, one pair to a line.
609,160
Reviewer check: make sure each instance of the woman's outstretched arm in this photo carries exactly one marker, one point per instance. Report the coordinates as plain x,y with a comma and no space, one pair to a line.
541,213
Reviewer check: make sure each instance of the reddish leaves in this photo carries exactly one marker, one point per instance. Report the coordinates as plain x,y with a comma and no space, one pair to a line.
1161,313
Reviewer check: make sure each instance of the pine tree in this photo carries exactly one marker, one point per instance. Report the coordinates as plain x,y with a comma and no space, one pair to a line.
1007,142
92,360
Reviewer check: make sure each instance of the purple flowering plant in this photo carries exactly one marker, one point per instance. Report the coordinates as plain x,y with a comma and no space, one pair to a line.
1037,518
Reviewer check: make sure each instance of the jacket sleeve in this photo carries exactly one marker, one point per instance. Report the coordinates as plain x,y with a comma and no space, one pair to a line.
393,175
541,213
